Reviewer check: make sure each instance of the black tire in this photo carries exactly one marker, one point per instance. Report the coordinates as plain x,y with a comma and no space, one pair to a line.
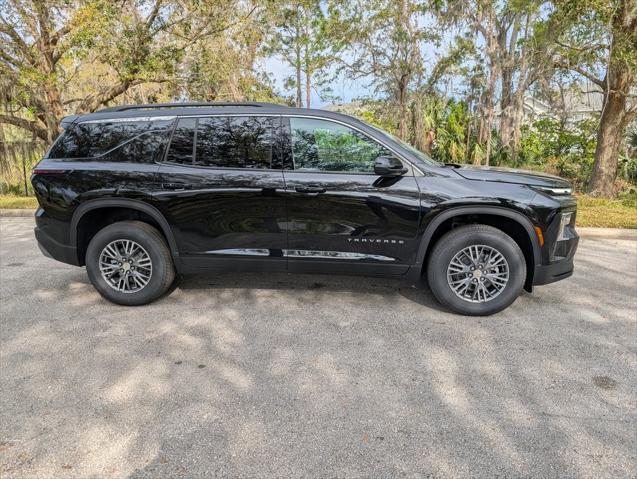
163,271
455,241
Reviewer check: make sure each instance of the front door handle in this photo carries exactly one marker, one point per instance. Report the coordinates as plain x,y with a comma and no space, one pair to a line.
310,189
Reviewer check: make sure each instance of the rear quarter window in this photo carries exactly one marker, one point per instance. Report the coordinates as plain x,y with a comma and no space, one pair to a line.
132,141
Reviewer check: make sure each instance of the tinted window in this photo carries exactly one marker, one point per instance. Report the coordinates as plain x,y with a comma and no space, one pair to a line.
145,148
90,140
234,142
182,143
321,145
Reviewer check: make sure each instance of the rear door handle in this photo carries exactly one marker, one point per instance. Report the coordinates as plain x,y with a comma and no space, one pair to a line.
176,186
310,189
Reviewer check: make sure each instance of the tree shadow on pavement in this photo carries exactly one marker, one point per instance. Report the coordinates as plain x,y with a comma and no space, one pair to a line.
288,376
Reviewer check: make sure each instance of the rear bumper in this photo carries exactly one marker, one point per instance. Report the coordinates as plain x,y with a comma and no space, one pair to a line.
56,250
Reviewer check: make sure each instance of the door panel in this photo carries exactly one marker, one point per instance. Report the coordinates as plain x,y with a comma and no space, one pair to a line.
341,216
359,222
225,218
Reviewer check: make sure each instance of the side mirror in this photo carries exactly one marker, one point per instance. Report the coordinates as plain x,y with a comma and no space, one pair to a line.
388,166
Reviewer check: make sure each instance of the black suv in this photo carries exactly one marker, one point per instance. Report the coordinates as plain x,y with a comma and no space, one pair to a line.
140,193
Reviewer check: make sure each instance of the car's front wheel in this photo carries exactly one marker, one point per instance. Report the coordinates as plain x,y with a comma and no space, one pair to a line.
129,263
476,270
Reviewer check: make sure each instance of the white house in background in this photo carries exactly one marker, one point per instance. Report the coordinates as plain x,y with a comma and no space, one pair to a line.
578,105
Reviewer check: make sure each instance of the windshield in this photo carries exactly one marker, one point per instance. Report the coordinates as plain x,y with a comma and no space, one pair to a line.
424,157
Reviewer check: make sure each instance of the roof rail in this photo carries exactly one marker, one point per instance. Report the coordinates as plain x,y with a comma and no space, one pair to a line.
184,105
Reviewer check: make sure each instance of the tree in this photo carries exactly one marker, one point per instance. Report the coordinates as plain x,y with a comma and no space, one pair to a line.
601,36
47,45
522,55
302,40
225,67
510,57
384,39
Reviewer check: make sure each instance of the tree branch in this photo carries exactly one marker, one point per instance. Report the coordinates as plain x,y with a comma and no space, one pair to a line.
586,48
19,43
93,102
153,14
29,125
566,65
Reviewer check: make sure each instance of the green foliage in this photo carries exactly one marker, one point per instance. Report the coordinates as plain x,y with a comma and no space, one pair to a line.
450,143
629,198
567,149
13,201
60,57
627,168
607,213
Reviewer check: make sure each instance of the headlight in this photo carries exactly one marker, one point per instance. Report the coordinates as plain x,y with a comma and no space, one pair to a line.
564,222
555,191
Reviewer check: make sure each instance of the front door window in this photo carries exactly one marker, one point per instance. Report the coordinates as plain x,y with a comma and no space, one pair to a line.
326,146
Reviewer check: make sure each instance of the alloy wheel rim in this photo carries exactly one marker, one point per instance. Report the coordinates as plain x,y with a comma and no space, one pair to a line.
478,273
125,266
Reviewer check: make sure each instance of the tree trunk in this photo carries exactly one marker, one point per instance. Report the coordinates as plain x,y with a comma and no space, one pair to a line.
299,101
406,69
487,155
518,116
308,78
507,46
402,108
417,124
488,112
506,103
506,126
467,153
54,112
297,64
616,85
609,136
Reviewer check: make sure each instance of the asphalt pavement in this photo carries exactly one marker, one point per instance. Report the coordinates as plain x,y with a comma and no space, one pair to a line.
273,375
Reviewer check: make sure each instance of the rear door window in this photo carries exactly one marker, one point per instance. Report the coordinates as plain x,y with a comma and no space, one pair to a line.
136,140
182,144
224,142
234,142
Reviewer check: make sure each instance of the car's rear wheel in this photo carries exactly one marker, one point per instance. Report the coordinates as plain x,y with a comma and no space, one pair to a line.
129,263
476,270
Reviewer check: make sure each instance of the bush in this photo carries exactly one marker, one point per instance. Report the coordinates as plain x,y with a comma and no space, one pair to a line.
7,188
566,148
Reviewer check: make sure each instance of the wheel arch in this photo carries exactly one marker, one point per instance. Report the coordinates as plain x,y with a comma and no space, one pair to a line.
432,232
123,204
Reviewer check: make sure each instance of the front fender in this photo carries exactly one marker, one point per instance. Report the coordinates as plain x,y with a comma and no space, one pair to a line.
475,210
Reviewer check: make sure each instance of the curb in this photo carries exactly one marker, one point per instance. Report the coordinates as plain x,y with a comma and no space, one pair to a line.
607,233
604,233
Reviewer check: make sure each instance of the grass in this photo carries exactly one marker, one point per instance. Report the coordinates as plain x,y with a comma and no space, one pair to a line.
595,212
20,202
606,213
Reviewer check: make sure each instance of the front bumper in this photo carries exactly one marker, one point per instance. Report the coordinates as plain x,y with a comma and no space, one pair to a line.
562,265
54,249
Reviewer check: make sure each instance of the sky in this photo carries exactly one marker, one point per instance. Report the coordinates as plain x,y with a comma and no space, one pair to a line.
346,90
